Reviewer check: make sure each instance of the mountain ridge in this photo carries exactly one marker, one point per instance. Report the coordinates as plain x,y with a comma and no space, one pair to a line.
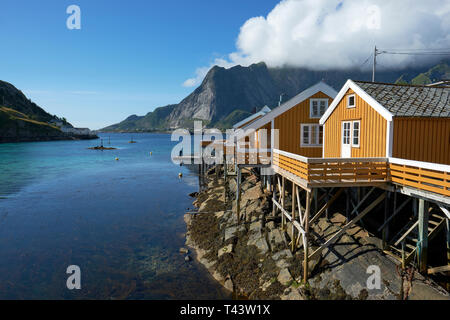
232,94
21,120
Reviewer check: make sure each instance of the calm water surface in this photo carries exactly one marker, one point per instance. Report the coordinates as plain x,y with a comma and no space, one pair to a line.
120,221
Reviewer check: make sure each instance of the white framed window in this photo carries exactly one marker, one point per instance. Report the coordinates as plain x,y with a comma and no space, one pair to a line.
311,135
356,134
351,101
346,132
317,107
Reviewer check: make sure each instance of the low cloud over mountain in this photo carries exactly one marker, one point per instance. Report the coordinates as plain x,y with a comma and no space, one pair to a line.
323,34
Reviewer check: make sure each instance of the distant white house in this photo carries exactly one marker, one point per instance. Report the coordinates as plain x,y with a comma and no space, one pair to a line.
252,118
77,131
71,130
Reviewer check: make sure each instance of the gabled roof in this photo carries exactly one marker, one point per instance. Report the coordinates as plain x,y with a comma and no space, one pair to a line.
395,100
252,118
410,100
302,96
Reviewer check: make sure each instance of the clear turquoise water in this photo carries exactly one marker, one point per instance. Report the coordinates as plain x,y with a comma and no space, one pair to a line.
119,221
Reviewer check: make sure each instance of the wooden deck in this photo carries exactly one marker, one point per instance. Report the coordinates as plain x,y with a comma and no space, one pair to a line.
355,172
323,172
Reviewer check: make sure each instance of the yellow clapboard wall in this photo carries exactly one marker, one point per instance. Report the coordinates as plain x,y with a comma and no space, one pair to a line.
422,139
289,124
372,130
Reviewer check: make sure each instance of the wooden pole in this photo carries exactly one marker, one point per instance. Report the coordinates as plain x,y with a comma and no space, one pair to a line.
347,205
403,254
305,242
283,218
423,235
274,192
293,238
238,194
385,233
316,198
447,224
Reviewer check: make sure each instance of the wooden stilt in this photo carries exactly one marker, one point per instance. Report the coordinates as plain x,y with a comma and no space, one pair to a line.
306,237
293,238
283,218
316,202
447,224
403,254
385,233
274,191
347,205
238,194
423,235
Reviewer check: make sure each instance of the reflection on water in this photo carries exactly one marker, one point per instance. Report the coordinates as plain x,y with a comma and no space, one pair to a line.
120,221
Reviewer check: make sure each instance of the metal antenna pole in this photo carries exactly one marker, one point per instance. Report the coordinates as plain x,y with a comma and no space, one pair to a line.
374,63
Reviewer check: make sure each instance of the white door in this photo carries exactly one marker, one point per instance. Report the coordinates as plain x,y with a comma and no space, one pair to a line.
346,147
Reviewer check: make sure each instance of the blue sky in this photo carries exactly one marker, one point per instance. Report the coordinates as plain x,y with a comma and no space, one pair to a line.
128,58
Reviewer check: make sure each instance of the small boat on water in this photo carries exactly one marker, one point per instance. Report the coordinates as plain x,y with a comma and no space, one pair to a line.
132,141
101,147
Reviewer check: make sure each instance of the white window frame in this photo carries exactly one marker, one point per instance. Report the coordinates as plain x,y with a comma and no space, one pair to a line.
353,132
311,101
310,125
354,101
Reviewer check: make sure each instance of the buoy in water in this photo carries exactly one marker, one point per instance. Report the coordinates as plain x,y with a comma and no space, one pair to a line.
117,159
151,153
180,175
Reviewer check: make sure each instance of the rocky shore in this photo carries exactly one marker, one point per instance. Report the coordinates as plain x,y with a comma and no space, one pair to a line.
253,260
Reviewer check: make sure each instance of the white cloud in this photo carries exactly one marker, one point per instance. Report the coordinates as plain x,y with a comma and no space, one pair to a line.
200,73
325,34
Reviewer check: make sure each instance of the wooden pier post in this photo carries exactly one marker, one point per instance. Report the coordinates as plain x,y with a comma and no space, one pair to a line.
274,193
305,241
293,238
447,229
385,232
447,225
423,235
347,205
316,199
283,217
238,193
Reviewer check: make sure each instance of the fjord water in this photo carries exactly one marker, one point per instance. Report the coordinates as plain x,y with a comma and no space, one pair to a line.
120,221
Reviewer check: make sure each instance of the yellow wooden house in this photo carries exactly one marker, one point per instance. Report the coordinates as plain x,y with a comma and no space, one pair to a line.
296,123
389,120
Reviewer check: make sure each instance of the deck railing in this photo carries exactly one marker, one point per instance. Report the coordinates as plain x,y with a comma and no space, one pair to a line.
421,175
323,171
254,156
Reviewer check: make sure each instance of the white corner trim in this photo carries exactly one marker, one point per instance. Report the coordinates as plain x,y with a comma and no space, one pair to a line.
302,96
361,93
389,138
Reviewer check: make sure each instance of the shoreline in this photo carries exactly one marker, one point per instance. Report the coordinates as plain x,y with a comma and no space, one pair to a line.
47,139
252,258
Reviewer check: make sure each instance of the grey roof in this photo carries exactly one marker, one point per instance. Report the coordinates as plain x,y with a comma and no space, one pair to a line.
410,100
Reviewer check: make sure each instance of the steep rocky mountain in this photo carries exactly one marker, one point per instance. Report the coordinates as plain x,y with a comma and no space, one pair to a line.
23,120
227,96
